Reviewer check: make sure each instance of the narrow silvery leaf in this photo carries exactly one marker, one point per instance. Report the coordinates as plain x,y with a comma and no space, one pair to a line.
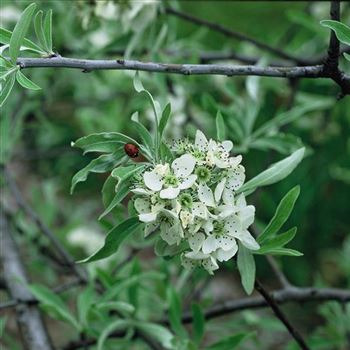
342,31
39,30
157,332
229,343
114,238
20,31
175,312
246,268
278,241
5,37
143,132
220,127
26,82
281,215
112,327
48,30
276,172
164,119
6,89
347,56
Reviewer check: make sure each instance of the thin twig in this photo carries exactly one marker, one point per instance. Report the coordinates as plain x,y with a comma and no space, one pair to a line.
235,35
280,315
32,327
281,296
68,260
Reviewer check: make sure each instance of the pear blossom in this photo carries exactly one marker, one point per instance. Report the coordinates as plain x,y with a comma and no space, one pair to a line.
194,202
169,182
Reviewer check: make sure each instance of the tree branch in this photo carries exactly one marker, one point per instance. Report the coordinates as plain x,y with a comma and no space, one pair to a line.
280,315
69,261
185,69
235,35
330,67
281,296
32,328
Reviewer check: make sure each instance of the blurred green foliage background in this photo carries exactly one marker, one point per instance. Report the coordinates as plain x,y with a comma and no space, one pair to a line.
38,126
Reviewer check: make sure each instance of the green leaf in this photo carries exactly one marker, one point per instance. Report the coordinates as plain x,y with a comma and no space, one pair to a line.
114,238
106,142
102,164
220,127
278,242
283,211
20,31
291,115
53,303
85,301
5,37
282,251
124,176
120,306
347,56
341,30
164,119
112,327
246,268
39,30
142,131
275,172
48,30
198,323
157,332
230,342
175,312
25,82
7,88
282,143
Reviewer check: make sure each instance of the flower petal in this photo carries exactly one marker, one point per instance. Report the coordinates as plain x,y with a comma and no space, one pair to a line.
188,182
196,256
148,217
228,196
219,189
184,165
227,145
246,214
235,178
205,195
188,263
153,180
199,210
247,240
196,241
141,191
240,201
186,218
142,205
210,265
201,141
226,210
233,225
169,193
225,242
209,245
150,228
171,234
235,161
223,255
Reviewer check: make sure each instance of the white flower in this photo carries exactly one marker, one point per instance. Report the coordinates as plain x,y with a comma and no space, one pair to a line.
191,259
171,182
216,153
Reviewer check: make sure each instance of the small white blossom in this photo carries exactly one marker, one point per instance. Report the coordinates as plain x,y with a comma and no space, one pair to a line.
168,182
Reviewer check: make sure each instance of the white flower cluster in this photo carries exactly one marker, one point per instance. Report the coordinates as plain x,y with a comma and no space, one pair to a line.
194,200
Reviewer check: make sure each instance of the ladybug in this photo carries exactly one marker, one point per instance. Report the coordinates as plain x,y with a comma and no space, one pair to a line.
131,150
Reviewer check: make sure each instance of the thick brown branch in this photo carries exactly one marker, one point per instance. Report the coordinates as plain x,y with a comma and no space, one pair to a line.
32,328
